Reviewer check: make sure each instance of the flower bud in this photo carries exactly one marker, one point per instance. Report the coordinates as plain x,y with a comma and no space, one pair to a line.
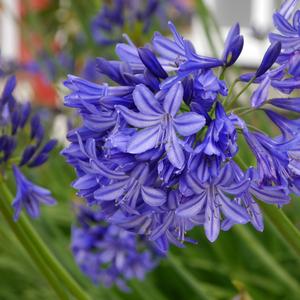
269,58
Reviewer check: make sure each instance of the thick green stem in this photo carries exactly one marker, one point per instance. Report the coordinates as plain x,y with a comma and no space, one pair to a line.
56,267
222,75
34,255
267,259
289,233
188,277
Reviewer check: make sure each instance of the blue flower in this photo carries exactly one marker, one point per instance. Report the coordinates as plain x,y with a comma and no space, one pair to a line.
248,199
211,197
233,46
160,123
221,137
273,160
206,88
107,26
30,149
289,33
269,58
108,254
29,196
14,117
157,149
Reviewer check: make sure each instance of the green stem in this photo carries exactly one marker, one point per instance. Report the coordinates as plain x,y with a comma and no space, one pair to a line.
44,251
254,128
188,277
232,102
287,230
267,259
29,247
222,75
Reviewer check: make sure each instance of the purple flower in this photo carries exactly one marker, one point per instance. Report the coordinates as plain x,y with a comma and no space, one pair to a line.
221,137
260,95
287,23
13,118
207,87
233,46
29,196
289,33
108,25
160,123
269,58
107,254
291,104
157,149
211,197
268,194
33,152
273,160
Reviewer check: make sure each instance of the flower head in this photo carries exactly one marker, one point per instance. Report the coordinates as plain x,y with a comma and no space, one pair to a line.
158,151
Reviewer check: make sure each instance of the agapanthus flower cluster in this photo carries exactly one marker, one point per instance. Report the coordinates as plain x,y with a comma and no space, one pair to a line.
158,147
108,254
22,144
108,25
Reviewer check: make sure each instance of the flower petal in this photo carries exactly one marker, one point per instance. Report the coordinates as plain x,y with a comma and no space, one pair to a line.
174,151
153,196
194,184
237,188
270,194
161,229
86,181
151,62
128,53
212,222
260,95
145,101
189,123
232,210
138,120
144,140
110,192
173,99
292,104
192,207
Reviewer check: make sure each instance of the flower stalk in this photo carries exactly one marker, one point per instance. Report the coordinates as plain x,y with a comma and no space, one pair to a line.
287,230
39,252
268,259
28,246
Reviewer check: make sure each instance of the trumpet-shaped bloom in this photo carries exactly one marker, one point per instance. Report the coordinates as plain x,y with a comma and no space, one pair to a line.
160,123
29,196
211,196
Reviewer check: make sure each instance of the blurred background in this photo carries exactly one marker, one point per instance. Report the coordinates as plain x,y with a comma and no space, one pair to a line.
44,40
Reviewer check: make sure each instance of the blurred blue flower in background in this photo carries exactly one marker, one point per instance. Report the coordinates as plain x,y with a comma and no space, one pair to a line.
108,254
123,15
23,147
29,196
